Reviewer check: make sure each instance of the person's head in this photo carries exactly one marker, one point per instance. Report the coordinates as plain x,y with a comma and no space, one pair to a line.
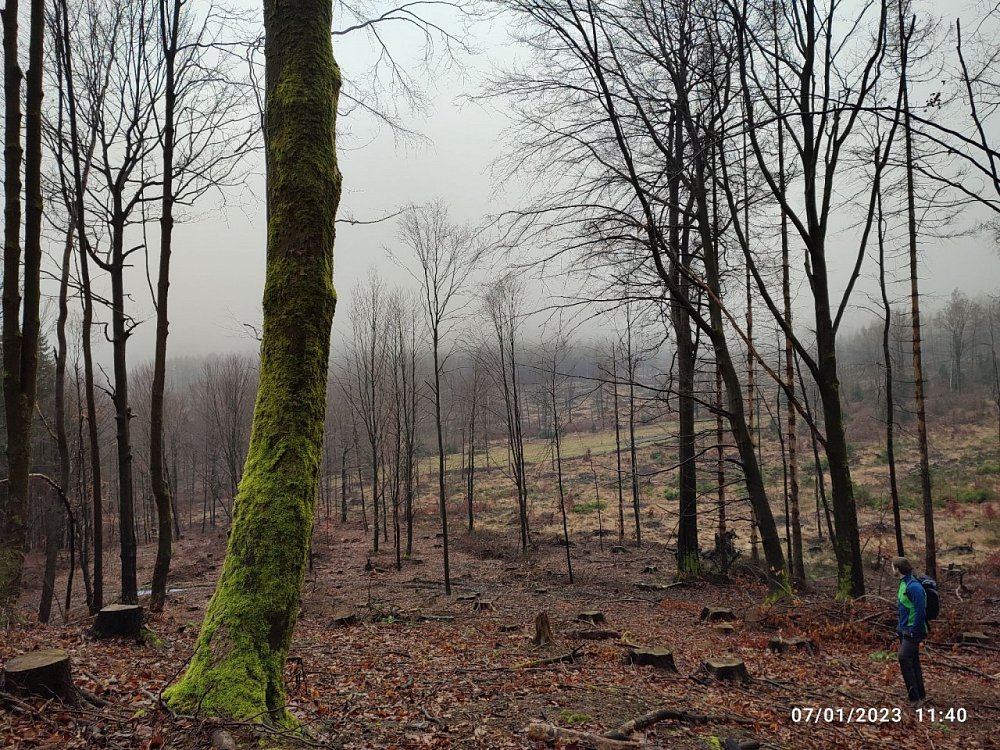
901,566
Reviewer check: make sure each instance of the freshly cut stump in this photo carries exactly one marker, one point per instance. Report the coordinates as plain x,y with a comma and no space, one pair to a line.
46,672
661,658
119,619
726,668
717,614
483,605
783,645
543,630
594,618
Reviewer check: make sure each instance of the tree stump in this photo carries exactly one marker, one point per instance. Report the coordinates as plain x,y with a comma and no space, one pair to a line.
782,645
650,569
717,614
543,630
973,637
483,605
726,668
661,658
594,618
726,628
46,672
508,627
343,618
118,619
618,550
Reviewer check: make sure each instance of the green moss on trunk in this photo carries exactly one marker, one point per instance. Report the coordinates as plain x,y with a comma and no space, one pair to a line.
237,666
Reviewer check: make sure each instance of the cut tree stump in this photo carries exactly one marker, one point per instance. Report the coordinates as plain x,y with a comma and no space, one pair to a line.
45,672
483,605
343,618
661,658
617,550
717,614
594,617
726,668
973,637
782,645
593,635
650,569
543,630
119,620
726,628
508,627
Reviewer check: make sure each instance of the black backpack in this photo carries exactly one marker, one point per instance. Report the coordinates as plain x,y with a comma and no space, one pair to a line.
932,596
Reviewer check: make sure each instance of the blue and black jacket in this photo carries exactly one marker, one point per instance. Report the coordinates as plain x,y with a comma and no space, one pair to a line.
912,609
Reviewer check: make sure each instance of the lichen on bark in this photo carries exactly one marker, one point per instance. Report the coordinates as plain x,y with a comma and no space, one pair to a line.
237,666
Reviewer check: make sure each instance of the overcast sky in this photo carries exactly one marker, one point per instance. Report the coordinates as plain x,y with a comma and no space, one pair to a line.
218,265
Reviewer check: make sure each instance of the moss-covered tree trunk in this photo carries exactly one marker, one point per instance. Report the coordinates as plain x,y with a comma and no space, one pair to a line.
236,669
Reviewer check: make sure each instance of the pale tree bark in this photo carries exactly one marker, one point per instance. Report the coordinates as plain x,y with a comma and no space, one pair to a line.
237,666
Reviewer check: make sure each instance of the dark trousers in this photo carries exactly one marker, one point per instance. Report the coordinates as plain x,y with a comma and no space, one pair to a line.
909,663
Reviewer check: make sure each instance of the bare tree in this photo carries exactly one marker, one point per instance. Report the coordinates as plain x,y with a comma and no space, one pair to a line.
446,256
503,300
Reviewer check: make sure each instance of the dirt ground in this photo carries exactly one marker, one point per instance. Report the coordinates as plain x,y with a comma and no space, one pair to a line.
460,680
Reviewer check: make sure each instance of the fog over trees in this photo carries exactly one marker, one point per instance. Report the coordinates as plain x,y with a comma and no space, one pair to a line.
718,308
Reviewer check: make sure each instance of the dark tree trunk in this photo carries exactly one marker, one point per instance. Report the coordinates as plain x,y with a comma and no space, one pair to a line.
169,18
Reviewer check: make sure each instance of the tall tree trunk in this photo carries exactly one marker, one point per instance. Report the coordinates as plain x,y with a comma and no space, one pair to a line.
169,17
797,560
54,513
618,449
890,404
688,550
633,458
930,555
239,658
20,334
559,475
442,496
123,414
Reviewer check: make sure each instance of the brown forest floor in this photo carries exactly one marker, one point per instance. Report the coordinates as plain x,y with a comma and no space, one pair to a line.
394,681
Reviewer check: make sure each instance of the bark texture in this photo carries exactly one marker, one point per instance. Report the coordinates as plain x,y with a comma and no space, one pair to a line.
236,669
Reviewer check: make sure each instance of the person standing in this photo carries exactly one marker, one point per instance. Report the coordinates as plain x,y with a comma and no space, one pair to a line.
911,628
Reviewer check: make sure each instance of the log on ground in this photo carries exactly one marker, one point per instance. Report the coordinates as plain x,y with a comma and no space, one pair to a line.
540,732
675,714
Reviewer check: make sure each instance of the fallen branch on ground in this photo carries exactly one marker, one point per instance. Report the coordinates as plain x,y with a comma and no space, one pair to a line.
541,732
654,717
